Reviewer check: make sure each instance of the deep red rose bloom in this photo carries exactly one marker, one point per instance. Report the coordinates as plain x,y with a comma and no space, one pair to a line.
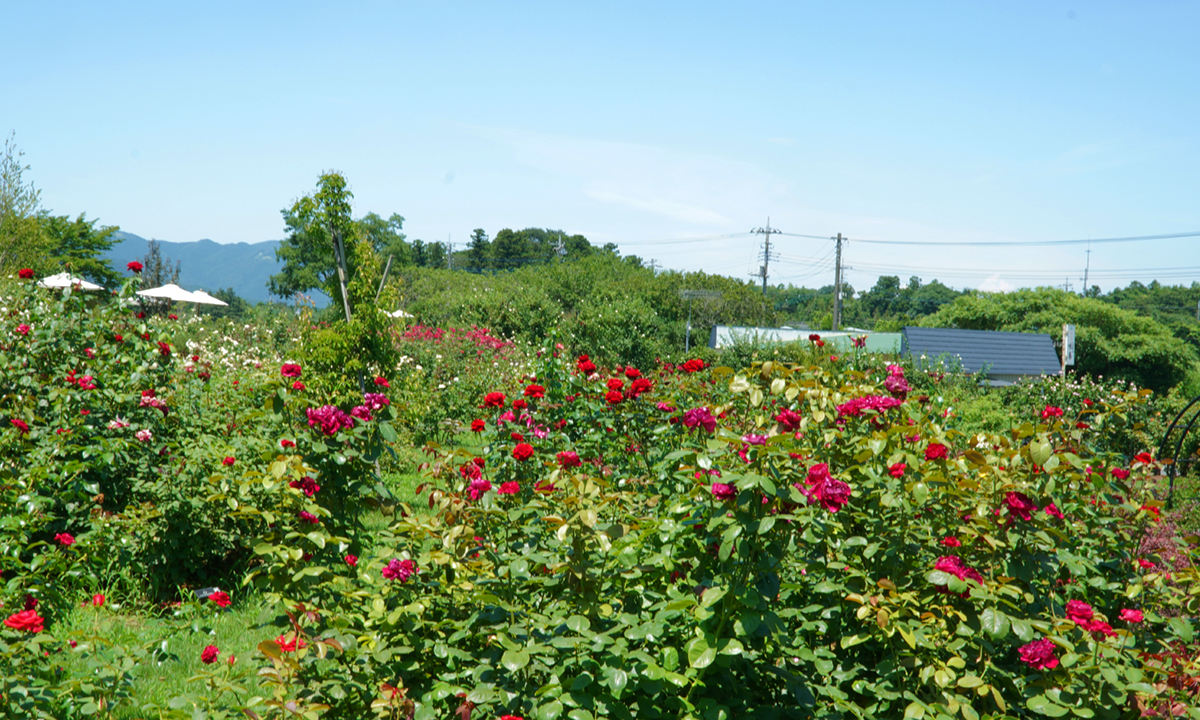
290,370
23,329
297,385
19,424
381,382
897,470
1051,412
25,621
352,560
1132,616
613,397
287,443
814,337
509,488
98,600
209,654
1020,505
118,338
1144,458
520,404
615,383
172,316
477,425
535,391
479,462
935,451
220,598
134,266
1039,654
789,420
511,717
400,570
1079,612
308,517
523,451
639,386
1145,564
64,539
568,459
1053,511
290,645
228,461
494,399
31,603
517,436
25,274
585,365
1120,473
723,491
694,365
951,541
632,373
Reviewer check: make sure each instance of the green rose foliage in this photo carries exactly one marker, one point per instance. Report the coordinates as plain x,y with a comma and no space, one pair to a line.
785,541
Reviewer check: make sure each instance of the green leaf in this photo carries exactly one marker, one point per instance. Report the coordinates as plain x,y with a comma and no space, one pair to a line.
388,432
1182,628
514,660
578,623
995,623
1022,629
1040,451
618,681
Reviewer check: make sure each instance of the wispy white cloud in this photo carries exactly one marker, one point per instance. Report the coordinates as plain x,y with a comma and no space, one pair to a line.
996,284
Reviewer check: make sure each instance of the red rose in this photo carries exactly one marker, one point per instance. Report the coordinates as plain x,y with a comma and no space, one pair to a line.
289,370
723,491
535,391
951,541
935,451
632,373
569,458
164,349
1120,473
1144,458
118,338
25,274
615,383
352,560
135,266
382,382
520,404
1039,654
523,451
209,654
228,461
1053,511
614,397
1132,616
295,386
585,365
1051,412
494,399
477,425
287,444
509,488
25,621
517,436
64,539
20,424
897,470
1079,612
814,337
1020,505
172,316
694,365
639,386
97,600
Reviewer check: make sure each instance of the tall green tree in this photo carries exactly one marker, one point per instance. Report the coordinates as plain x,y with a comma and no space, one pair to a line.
479,251
315,225
23,240
78,246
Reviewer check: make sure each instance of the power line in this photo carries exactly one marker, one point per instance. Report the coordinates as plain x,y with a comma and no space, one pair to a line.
1011,243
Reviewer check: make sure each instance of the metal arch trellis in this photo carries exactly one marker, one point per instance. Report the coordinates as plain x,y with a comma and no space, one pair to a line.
1166,452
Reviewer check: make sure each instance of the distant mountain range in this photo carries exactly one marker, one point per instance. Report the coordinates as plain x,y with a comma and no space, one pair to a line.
210,266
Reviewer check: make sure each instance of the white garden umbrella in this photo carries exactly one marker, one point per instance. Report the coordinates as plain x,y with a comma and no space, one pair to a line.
65,280
205,299
170,291
399,314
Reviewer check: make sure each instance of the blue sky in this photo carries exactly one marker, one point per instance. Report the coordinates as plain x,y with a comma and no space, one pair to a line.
638,123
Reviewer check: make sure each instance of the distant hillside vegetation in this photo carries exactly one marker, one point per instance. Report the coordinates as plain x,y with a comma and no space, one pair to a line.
211,266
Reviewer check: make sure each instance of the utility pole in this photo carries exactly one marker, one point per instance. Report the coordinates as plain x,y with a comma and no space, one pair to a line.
766,253
449,253
1087,266
837,285
560,248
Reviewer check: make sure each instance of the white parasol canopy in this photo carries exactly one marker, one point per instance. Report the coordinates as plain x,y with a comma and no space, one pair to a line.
205,299
170,291
399,314
65,280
